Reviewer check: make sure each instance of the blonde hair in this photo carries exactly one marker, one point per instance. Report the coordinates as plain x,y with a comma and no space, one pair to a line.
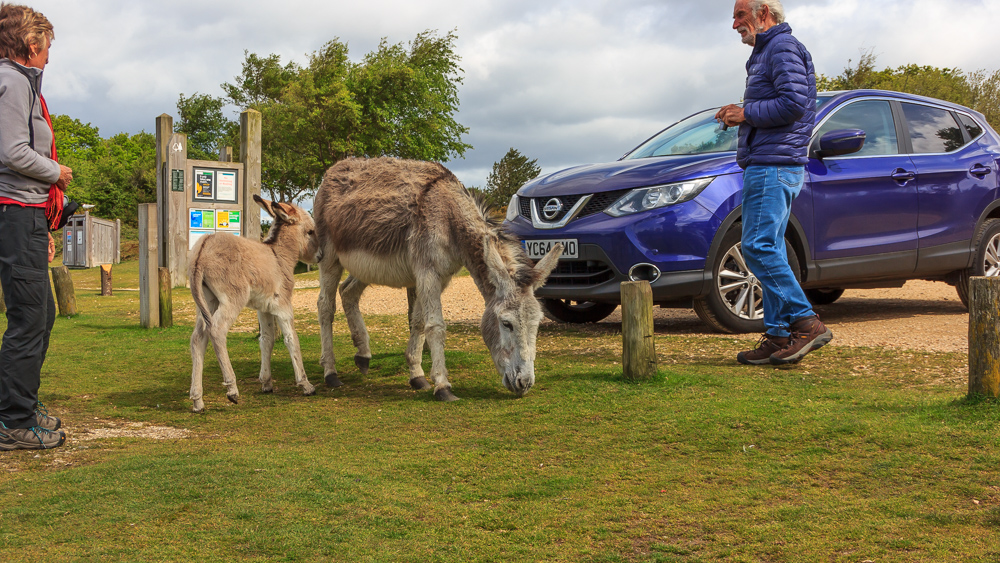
20,28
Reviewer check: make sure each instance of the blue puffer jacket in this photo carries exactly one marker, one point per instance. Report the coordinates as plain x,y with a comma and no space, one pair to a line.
780,101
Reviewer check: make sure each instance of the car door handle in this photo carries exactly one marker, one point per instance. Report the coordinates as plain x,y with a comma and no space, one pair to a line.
980,170
903,176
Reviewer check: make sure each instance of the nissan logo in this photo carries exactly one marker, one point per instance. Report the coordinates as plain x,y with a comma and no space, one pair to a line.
552,208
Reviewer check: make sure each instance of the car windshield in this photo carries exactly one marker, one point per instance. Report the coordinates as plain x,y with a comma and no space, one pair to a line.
698,134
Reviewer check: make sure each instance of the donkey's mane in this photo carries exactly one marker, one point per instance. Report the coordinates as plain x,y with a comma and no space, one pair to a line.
522,268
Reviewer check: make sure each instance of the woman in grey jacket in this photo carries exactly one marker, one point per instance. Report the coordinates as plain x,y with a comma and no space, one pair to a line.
29,173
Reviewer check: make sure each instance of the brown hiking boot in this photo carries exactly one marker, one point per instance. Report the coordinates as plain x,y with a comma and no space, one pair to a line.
45,420
808,334
767,345
34,438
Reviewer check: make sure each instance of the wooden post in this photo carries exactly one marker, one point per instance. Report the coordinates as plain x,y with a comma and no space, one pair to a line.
164,133
166,299
638,350
106,280
65,295
149,284
250,128
225,154
984,336
174,221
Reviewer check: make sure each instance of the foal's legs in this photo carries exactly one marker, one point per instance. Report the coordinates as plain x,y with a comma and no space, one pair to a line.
429,288
199,342
286,322
266,321
350,294
222,319
330,271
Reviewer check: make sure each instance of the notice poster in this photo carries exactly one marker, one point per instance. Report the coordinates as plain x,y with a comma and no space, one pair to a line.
202,219
204,184
225,186
194,235
227,220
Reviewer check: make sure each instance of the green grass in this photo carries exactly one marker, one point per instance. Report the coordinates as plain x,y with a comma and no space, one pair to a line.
858,454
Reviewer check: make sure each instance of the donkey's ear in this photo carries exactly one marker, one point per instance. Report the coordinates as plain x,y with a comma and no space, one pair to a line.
284,212
264,204
545,266
498,273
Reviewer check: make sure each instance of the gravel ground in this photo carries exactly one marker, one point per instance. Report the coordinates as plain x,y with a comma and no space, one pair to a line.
921,315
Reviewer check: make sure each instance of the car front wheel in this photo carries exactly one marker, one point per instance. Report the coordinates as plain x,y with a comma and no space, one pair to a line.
987,260
568,311
735,302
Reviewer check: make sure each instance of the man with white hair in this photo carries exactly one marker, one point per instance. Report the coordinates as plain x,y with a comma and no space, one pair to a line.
776,121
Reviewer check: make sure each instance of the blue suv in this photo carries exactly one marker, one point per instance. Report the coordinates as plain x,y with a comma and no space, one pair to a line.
898,187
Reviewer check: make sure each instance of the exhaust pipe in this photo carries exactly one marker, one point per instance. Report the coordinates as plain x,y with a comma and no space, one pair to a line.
644,272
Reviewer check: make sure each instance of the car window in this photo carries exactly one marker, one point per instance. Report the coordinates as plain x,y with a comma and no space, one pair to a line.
874,117
974,128
697,134
932,130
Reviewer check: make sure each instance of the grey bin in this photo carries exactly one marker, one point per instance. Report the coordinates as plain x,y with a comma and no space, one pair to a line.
89,241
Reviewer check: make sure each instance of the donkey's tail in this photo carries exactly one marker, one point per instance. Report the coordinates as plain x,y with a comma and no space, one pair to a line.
197,278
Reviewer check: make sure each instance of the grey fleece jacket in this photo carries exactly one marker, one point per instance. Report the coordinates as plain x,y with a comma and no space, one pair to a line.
25,173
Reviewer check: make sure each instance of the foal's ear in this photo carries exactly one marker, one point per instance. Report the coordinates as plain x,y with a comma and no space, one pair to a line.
264,204
286,213
545,266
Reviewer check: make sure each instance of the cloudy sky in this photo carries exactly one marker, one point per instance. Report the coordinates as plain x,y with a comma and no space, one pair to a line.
564,81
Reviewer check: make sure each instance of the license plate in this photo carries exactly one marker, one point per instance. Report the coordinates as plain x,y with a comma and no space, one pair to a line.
537,249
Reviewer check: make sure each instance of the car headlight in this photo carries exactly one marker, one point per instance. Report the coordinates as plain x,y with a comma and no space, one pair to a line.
644,199
513,208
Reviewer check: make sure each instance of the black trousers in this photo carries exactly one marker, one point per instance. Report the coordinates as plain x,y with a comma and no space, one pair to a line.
31,311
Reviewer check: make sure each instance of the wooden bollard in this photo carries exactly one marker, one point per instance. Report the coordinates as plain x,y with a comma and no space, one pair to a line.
638,349
65,294
106,280
984,336
166,299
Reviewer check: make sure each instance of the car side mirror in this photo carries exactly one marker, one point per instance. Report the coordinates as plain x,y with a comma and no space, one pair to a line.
839,142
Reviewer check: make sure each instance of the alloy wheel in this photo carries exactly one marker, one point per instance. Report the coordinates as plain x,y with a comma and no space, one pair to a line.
739,288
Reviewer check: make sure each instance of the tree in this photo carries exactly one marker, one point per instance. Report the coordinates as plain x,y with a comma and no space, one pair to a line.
207,128
400,100
508,175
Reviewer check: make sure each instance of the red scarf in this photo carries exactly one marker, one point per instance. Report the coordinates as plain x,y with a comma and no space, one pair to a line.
54,205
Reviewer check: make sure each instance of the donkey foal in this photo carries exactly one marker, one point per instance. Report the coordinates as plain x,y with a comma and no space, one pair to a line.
229,273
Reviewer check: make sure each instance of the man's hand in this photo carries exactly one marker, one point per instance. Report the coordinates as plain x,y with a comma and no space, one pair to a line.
52,248
65,177
731,115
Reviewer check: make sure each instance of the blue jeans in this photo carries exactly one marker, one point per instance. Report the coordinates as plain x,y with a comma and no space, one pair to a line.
768,192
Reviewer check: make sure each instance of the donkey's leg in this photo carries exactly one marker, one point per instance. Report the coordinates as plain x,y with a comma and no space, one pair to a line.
429,289
199,341
266,321
287,323
350,293
415,347
223,318
330,271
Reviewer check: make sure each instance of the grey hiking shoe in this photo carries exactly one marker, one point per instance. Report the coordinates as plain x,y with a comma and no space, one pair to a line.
45,420
34,438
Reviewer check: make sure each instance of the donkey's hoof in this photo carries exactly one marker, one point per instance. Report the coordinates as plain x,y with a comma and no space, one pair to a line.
420,383
332,380
268,389
234,399
362,363
445,394
308,390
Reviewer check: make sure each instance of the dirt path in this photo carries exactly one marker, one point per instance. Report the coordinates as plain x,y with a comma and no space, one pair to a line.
921,315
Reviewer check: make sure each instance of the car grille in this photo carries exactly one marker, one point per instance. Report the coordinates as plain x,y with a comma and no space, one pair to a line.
597,204
580,272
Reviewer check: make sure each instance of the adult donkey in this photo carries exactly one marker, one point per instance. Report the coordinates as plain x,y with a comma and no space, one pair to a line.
404,223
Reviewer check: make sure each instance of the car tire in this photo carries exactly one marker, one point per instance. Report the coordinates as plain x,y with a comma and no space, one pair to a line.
726,308
824,296
986,261
569,311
